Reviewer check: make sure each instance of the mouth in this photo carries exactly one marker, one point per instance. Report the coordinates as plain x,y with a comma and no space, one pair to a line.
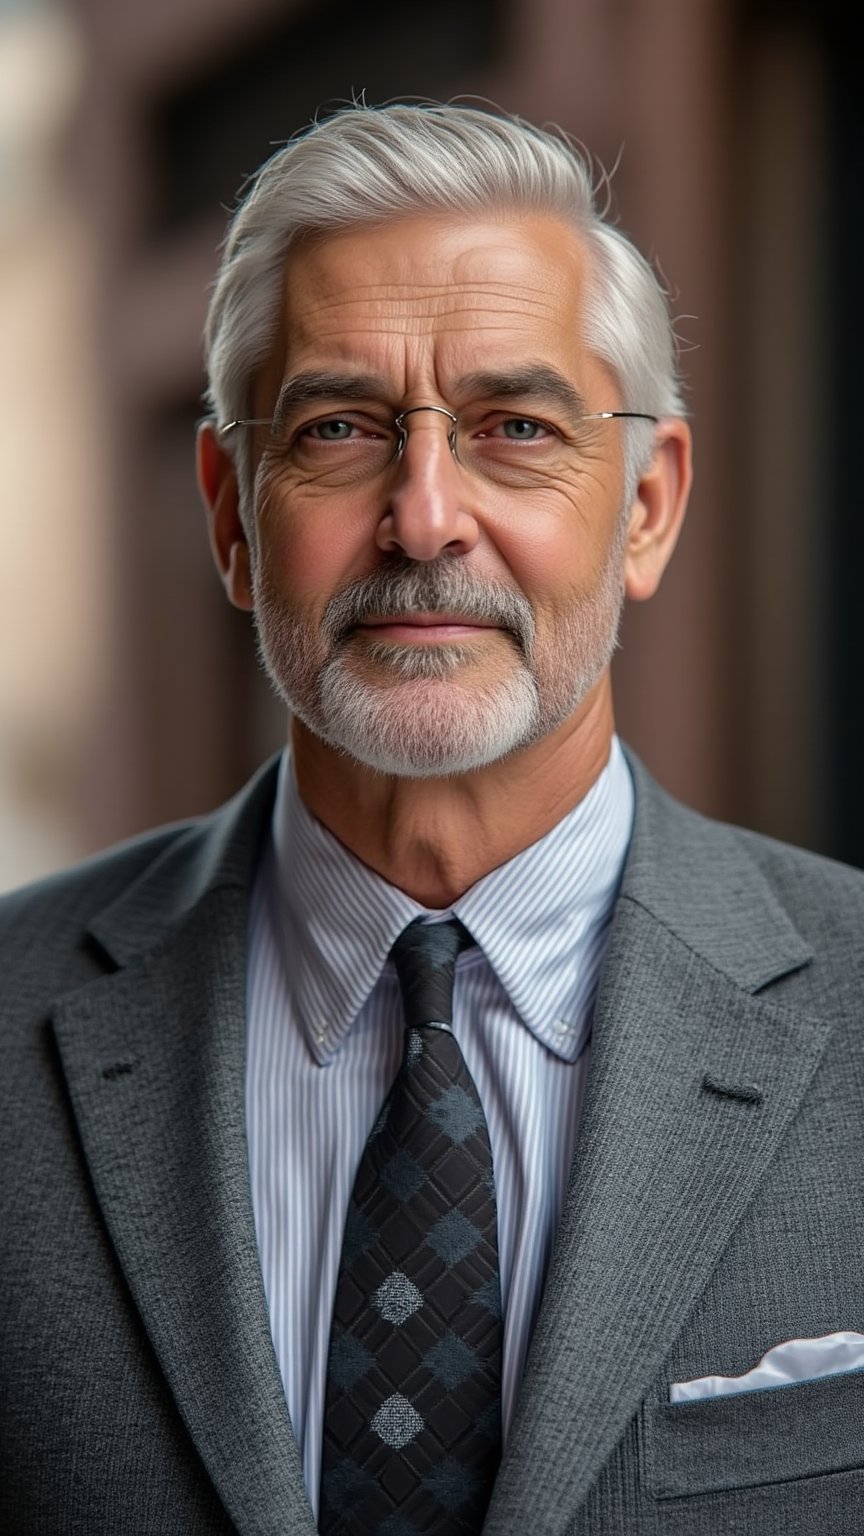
423,628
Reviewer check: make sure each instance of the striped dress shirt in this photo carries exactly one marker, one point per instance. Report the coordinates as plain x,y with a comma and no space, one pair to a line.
325,1043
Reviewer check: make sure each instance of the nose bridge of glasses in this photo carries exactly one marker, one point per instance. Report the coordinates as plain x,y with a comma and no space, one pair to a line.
440,410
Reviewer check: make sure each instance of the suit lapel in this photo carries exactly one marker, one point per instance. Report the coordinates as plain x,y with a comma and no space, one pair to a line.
154,1056
664,1166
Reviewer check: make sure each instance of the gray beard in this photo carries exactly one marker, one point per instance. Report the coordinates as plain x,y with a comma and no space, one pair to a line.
415,711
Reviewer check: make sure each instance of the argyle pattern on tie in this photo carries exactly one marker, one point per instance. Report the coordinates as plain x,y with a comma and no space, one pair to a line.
412,1422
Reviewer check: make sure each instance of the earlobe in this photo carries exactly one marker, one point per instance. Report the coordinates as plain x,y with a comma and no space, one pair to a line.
220,492
658,509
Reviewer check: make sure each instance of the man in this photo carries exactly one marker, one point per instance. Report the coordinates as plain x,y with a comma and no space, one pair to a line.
446,441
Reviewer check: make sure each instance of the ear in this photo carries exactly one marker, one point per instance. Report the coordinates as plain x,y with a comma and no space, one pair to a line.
217,482
658,509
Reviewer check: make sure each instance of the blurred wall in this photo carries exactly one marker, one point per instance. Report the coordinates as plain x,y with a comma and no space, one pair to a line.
54,522
129,692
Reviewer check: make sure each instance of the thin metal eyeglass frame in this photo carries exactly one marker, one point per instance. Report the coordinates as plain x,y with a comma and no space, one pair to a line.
398,422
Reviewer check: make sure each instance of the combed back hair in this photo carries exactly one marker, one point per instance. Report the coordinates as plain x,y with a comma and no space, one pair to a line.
372,165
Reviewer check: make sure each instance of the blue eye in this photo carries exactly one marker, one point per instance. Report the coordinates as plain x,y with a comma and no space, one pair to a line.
335,431
521,429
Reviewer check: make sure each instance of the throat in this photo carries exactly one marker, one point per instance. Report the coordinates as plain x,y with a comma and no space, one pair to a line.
435,837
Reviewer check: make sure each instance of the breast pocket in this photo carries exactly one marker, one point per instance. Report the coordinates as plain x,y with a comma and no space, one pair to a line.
753,1438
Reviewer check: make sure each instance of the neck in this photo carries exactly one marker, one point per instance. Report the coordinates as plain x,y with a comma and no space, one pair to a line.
435,838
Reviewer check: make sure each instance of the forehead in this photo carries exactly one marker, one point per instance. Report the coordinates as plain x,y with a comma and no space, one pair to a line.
437,297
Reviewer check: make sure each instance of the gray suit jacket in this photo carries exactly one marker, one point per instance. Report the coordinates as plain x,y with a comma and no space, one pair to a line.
715,1206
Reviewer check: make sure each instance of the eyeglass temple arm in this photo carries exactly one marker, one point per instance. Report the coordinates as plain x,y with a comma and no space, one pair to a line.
244,421
618,415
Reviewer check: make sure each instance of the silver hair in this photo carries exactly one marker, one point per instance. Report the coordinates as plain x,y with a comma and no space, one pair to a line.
367,165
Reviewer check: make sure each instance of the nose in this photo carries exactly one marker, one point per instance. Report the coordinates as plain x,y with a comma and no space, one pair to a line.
429,508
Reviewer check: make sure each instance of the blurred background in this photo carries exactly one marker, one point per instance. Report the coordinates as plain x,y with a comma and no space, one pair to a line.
129,691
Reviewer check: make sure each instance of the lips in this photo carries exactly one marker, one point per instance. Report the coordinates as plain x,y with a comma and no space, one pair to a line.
424,626
426,620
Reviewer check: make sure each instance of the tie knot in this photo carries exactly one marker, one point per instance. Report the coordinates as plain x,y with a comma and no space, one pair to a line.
425,958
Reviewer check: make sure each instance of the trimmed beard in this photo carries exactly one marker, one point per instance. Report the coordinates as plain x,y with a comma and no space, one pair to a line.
415,711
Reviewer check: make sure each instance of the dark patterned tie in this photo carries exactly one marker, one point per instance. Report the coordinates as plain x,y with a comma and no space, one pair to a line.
412,1421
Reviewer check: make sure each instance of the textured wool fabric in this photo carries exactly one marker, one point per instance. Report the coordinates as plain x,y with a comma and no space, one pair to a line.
412,1423
139,1390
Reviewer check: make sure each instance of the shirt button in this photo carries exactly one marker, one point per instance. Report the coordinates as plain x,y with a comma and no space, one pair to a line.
562,1027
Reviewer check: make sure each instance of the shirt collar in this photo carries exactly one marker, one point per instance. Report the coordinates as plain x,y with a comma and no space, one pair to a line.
539,919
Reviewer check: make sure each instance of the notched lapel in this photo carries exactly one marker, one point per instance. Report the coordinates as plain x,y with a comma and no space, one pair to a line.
663,1172
154,1057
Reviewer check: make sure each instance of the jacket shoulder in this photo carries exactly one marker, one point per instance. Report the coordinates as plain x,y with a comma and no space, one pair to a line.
754,907
59,932
788,864
93,882
43,925
823,897
717,850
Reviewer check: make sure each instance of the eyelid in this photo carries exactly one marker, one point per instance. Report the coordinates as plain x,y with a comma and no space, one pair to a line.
497,418
354,418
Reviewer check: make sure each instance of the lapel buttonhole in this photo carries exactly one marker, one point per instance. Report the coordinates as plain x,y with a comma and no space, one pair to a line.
744,1093
118,1069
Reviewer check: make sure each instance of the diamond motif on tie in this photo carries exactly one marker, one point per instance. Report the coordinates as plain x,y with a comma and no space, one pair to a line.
402,1175
397,1299
489,1296
453,1237
451,1483
359,1233
347,1485
451,1361
396,1422
413,1046
457,1115
349,1360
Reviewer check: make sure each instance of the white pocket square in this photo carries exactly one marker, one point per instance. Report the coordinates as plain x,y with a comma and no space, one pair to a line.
784,1365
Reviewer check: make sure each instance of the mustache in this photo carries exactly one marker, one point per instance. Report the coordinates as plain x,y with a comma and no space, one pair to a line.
405,587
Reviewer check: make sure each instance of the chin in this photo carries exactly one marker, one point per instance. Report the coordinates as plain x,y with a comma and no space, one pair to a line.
426,727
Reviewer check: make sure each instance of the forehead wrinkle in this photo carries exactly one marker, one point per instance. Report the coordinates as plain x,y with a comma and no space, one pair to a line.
408,297
533,267
347,313
467,322
431,290
497,320
322,293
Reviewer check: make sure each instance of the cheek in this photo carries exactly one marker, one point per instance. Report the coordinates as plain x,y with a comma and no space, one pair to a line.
309,556
556,553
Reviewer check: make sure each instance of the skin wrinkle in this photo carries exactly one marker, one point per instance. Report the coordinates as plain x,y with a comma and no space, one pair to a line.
439,305
426,325
418,291
448,294
470,301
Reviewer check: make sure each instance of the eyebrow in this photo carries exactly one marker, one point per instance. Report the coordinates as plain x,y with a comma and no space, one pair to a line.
534,381
319,385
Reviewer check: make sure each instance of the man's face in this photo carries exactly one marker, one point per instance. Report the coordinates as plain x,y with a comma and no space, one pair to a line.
433,618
